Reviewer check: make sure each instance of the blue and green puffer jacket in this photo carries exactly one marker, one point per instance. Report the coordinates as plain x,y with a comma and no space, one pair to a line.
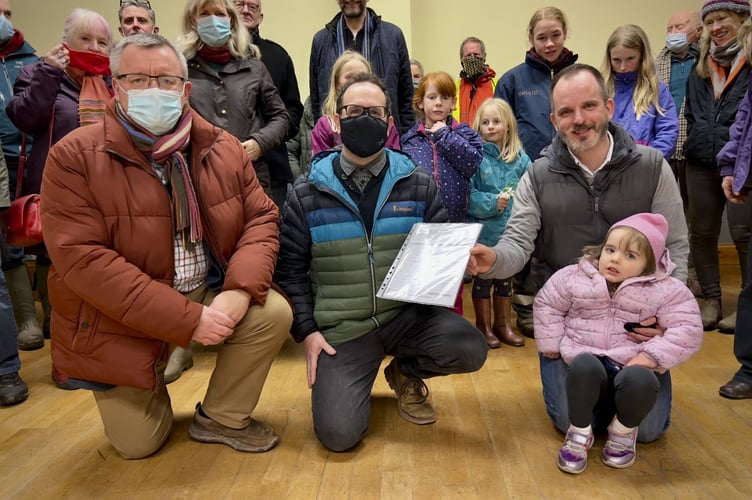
328,266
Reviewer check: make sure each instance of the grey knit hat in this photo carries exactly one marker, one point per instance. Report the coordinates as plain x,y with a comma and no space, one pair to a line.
739,6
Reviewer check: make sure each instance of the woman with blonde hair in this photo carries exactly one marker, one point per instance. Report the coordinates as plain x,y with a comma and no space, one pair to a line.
715,91
232,89
642,105
325,134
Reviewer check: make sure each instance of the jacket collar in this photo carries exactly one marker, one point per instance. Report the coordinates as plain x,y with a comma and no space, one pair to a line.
117,140
332,25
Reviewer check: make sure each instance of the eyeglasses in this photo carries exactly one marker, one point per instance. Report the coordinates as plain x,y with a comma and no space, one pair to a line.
142,3
355,110
252,7
142,81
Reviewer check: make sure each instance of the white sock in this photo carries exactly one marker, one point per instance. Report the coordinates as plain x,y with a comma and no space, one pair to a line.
620,428
585,431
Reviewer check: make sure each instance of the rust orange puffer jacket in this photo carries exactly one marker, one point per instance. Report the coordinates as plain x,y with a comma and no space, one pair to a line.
108,228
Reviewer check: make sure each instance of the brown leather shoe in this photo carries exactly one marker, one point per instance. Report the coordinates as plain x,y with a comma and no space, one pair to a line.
736,389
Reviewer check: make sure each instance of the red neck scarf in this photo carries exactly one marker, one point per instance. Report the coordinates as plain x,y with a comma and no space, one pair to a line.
220,55
12,45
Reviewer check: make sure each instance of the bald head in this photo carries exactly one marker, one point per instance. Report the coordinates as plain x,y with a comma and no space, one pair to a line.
688,22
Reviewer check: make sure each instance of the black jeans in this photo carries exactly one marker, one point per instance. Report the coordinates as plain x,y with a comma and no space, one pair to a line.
706,205
426,340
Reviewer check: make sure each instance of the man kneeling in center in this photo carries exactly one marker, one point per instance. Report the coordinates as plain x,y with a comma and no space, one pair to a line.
341,229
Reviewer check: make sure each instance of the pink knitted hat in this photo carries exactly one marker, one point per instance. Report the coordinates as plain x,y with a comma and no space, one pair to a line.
653,226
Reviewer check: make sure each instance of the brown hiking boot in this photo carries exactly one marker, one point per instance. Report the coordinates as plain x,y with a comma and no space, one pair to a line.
412,396
256,438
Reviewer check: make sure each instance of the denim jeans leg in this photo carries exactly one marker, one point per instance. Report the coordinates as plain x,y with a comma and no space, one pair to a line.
554,378
341,396
9,360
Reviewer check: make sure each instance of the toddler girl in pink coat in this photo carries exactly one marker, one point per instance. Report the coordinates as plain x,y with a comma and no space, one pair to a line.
583,314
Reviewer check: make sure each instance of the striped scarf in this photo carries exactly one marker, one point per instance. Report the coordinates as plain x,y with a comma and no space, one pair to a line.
92,100
725,63
366,36
167,151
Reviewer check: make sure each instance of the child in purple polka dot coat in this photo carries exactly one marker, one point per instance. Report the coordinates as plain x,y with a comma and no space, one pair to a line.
446,148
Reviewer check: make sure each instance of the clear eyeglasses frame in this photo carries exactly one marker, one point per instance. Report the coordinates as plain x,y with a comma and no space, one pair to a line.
355,110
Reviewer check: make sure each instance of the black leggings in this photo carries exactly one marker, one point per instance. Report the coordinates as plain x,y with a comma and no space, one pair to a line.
595,380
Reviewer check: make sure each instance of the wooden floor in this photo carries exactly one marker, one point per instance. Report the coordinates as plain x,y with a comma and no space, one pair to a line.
492,440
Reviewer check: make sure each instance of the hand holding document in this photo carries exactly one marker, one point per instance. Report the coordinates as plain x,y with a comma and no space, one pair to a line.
431,263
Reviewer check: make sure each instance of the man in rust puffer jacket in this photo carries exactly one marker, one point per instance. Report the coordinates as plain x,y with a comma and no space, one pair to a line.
159,233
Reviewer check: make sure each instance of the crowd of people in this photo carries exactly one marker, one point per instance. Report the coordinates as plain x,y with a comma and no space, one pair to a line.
599,192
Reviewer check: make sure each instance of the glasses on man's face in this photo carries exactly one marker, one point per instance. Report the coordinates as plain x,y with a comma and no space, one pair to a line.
142,3
142,81
355,110
252,7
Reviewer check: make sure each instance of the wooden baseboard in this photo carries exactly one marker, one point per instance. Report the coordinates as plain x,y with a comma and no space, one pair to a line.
727,254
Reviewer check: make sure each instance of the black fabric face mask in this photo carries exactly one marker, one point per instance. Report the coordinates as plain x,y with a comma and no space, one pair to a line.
363,135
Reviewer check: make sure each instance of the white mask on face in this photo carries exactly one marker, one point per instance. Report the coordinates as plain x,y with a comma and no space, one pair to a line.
157,110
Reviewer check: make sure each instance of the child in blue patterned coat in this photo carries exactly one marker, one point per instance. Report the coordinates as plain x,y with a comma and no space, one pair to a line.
491,197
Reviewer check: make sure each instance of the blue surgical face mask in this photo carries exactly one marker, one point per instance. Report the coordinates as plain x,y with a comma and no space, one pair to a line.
6,29
157,110
676,42
214,31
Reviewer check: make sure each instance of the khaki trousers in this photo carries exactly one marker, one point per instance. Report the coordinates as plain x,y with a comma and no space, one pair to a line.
137,422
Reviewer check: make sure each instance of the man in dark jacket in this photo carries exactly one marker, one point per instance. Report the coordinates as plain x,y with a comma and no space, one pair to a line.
282,70
382,43
341,230
591,176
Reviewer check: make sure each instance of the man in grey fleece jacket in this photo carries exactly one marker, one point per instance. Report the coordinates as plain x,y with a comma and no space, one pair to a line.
592,175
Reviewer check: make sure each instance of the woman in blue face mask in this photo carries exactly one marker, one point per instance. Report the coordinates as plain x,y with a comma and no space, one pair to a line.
231,89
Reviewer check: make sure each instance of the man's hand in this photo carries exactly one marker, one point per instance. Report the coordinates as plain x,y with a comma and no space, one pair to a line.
252,148
482,258
728,190
314,344
643,334
213,327
233,303
642,359
551,355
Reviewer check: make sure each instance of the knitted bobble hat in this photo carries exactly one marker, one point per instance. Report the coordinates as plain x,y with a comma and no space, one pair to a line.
655,229
740,6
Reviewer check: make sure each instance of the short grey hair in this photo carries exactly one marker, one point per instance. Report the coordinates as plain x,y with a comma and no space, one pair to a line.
137,3
473,39
147,41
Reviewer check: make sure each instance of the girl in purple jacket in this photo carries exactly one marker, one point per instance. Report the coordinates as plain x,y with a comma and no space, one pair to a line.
450,150
583,314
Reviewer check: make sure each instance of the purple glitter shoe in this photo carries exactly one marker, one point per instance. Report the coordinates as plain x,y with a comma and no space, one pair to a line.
574,451
619,450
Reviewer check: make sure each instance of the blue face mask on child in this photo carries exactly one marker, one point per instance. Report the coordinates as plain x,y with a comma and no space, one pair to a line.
6,29
214,31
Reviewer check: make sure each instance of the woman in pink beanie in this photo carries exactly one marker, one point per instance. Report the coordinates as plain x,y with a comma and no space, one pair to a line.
583,314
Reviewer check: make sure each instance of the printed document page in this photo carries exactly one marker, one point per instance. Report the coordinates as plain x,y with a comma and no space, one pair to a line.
431,263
